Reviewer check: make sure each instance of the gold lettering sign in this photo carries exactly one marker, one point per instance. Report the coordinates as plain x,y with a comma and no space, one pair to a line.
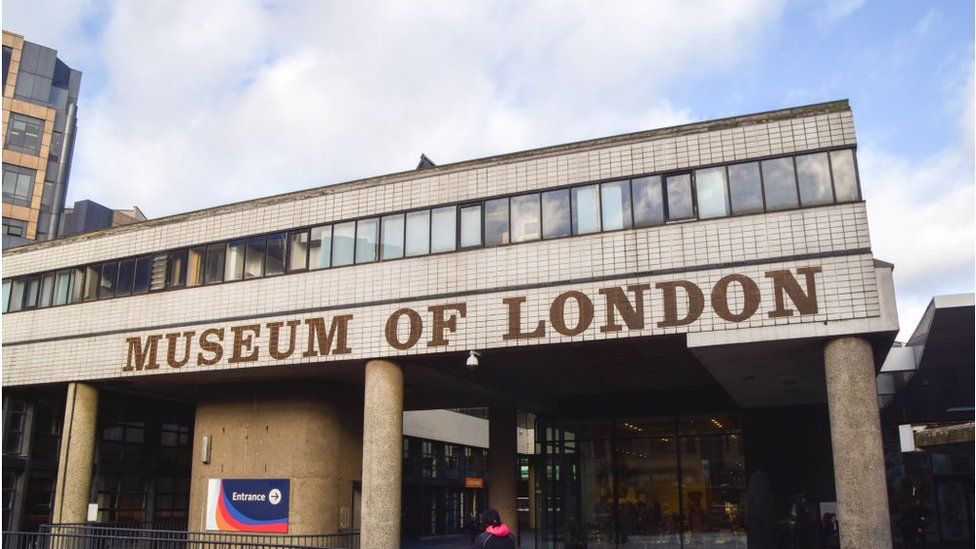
571,313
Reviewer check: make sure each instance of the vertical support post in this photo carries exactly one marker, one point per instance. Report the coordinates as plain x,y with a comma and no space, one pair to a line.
382,455
503,462
855,433
77,457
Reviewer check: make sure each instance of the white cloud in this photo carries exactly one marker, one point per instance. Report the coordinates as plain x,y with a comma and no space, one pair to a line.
208,103
831,12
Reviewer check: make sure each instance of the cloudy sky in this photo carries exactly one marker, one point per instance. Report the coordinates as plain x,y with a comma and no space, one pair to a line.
192,104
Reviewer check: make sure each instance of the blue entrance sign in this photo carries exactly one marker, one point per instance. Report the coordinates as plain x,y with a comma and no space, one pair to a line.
248,505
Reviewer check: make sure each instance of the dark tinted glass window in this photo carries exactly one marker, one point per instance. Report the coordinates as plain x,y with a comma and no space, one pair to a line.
648,201
127,272
680,204
215,263
106,285
745,188
813,176
555,214
254,258
496,222
845,175
24,134
143,275
18,185
275,261
779,184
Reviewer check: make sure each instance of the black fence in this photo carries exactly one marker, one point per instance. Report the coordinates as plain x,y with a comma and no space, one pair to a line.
97,536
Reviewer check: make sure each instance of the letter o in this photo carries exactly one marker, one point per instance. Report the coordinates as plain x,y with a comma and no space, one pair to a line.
557,313
416,329
720,298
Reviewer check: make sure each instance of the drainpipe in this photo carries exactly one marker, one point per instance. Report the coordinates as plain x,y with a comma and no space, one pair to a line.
64,166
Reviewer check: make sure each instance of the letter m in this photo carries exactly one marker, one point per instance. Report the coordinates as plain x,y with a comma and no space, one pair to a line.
142,357
785,283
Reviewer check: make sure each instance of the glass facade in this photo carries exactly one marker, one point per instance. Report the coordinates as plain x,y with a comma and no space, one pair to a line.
673,481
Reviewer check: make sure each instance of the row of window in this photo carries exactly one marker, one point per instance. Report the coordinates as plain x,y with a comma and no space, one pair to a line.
738,189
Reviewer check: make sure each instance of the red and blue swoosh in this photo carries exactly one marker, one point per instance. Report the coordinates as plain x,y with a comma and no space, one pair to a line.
230,519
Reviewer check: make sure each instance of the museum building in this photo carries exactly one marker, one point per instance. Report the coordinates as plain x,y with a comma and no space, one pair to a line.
692,315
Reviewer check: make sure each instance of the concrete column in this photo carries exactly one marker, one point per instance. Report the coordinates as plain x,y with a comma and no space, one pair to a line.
76,460
382,455
503,463
855,432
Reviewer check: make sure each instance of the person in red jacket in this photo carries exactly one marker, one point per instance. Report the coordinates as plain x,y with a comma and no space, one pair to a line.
496,534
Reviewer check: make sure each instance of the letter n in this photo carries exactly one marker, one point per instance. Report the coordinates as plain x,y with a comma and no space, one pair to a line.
785,283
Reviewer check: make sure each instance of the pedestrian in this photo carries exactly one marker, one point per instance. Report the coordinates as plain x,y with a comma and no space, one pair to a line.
831,534
496,534
473,526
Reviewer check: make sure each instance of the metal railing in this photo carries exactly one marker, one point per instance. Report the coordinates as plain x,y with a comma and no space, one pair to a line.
95,536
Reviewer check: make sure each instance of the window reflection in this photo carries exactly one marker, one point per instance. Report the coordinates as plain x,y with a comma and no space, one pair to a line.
254,257
443,236
127,268
779,184
586,209
526,224
392,234
274,262
711,192
496,222
343,243
298,251
745,188
845,176
106,285
555,214
215,263
78,284
234,260
615,205
320,247
813,176
418,233
471,226
680,205
648,201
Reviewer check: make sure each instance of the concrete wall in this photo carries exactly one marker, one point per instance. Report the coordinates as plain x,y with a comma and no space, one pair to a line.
308,433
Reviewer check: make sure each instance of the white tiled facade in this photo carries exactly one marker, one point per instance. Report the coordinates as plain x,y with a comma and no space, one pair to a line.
88,341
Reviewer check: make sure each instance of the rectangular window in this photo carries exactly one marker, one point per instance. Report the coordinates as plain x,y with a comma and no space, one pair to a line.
62,287
392,232
615,205
443,232
143,275
555,214
106,285
418,233
195,261
14,227
845,175
92,273
297,251
177,269
711,192
17,290
779,184
320,247
77,285
367,238
6,294
47,290
215,263
648,201
813,176
18,185
680,202
274,263
745,188
157,276
470,226
586,209
343,243
254,257
526,222
496,222
24,134
30,296
234,260
127,272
